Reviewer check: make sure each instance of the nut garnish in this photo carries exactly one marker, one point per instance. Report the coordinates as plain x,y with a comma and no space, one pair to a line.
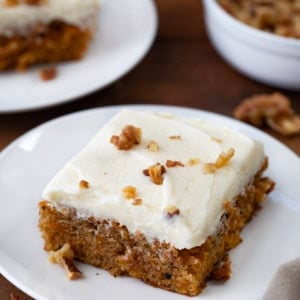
274,110
171,211
174,163
155,172
175,137
64,257
152,146
221,161
193,161
129,192
137,201
83,184
129,137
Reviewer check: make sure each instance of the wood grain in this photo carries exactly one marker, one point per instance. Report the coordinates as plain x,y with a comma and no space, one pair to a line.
181,69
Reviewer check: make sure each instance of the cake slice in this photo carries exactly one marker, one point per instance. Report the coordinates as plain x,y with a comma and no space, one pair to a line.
45,31
157,197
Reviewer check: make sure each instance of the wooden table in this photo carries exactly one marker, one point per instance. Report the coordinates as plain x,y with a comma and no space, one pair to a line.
181,69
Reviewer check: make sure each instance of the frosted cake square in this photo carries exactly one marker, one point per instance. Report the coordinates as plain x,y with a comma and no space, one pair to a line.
45,31
157,197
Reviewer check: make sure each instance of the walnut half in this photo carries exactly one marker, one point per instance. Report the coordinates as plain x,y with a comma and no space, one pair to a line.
129,137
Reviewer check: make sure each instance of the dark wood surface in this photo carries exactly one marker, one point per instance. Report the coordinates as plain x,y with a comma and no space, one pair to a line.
181,69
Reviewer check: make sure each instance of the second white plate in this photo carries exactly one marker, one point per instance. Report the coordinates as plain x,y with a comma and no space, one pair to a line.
126,31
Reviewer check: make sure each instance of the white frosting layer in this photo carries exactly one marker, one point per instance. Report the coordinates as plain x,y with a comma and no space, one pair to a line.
198,195
20,19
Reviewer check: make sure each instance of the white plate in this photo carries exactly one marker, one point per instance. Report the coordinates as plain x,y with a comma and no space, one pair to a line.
126,31
27,165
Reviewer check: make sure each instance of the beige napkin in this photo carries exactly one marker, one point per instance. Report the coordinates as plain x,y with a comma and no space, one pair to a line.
285,284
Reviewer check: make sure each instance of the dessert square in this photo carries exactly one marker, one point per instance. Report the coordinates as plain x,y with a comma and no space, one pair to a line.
45,31
158,198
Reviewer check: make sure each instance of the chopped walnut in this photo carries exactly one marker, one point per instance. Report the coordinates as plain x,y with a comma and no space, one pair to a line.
129,137
64,257
175,137
224,158
174,163
171,211
152,146
129,192
83,184
137,202
221,161
274,110
155,172
48,74
193,161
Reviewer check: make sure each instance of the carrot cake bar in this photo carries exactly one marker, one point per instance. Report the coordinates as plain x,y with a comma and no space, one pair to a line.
43,31
157,197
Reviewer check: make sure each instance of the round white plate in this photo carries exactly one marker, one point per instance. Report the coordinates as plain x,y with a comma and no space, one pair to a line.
126,31
27,165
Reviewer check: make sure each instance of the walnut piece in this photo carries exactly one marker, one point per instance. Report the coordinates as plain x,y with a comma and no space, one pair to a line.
174,163
175,137
274,110
83,184
129,137
193,161
152,146
171,211
155,172
220,162
129,192
64,257
48,73
137,201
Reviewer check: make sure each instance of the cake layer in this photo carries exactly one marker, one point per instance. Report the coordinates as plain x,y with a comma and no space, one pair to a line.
109,245
203,165
22,18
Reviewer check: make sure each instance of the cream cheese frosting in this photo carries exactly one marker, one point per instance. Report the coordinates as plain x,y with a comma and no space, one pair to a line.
21,18
197,194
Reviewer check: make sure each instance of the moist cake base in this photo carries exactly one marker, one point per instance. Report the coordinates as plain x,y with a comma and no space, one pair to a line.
51,43
107,244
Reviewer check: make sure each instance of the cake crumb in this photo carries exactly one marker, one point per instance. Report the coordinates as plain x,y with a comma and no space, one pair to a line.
48,74
129,137
64,257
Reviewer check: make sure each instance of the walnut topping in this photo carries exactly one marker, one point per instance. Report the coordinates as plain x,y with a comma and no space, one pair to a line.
48,74
274,110
171,211
174,163
83,184
64,257
221,161
129,192
193,161
175,137
152,146
137,202
129,137
155,172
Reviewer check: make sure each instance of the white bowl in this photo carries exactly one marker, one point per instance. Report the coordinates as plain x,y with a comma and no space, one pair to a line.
263,56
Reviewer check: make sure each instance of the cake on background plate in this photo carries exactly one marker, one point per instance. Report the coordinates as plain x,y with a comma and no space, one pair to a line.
45,31
157,197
